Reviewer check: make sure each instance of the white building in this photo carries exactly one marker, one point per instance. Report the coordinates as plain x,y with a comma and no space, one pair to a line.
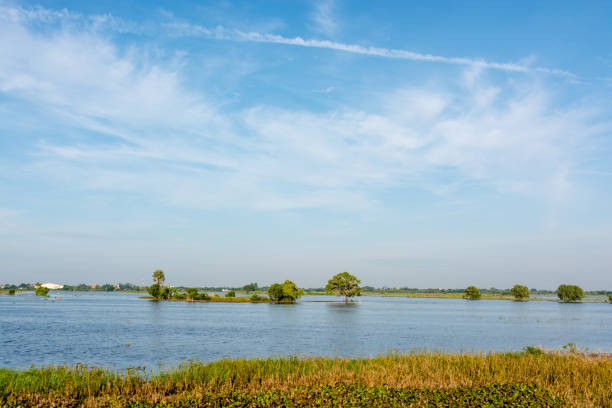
52,286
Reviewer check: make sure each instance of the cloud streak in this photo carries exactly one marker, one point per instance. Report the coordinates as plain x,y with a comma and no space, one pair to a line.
323,16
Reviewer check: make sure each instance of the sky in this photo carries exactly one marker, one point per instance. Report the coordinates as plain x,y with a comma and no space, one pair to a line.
418,144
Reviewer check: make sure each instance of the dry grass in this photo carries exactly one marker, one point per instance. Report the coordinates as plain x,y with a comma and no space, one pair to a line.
579,380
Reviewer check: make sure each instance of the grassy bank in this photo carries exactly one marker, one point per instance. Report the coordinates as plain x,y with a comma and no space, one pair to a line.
420,380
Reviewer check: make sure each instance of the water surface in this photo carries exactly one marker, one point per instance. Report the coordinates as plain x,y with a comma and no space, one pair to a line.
119,330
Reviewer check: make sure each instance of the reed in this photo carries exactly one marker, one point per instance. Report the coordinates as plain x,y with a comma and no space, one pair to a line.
573,380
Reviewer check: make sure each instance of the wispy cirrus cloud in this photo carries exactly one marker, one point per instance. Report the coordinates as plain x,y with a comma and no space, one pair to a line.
175,144
322,15
324,18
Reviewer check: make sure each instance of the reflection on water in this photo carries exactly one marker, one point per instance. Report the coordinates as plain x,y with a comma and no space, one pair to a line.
119,330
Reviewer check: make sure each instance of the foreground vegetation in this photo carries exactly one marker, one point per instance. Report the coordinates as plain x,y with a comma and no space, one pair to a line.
529,379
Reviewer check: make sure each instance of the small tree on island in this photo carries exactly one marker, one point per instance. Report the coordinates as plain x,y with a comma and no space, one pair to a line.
343,284
472,293
609,296
157,290
520,292
287,292
41,291
570,293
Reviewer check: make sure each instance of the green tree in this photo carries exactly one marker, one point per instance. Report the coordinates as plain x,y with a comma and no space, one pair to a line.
570,293
609,296
343,284
159,277
231,293
520,292
192,294
165,293
154,290
472,293
287,292
251,287
12,292
41,291
275,291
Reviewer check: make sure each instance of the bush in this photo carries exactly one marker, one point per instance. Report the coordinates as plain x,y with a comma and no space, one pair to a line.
154,290
165,293
255,297
570,293
192,294
609,296
520,292
12,292
42,291
287,292
472,293
231,293
536,351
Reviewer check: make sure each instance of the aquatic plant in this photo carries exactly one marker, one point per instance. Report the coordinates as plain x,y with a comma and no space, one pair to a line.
422,379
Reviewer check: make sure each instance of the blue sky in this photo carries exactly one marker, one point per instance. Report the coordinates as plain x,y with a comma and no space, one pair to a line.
421,144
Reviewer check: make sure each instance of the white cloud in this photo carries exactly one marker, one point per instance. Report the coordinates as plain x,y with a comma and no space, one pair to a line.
323,17
174,144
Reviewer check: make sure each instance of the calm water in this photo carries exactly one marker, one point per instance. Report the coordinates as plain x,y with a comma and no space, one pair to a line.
119,330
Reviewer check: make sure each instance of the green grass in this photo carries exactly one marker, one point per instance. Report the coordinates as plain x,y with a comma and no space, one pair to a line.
525,379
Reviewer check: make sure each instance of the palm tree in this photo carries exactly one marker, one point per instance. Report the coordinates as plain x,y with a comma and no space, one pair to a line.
158,277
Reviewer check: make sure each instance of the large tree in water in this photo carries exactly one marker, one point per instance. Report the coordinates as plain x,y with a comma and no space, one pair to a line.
343,284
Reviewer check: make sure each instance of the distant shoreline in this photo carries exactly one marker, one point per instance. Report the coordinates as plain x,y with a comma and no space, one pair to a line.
416,295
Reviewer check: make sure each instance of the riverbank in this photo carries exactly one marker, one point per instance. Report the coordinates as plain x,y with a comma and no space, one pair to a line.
424,380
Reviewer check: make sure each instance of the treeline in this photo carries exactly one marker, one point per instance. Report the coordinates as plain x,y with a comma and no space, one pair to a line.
83,287
255,288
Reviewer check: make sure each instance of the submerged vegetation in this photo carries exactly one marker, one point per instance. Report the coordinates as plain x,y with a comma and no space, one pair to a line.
526,379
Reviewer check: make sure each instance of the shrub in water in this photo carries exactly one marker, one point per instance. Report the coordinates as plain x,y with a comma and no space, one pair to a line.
41,291
520,292
472,293
287,292
12,292
570,293
231,293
